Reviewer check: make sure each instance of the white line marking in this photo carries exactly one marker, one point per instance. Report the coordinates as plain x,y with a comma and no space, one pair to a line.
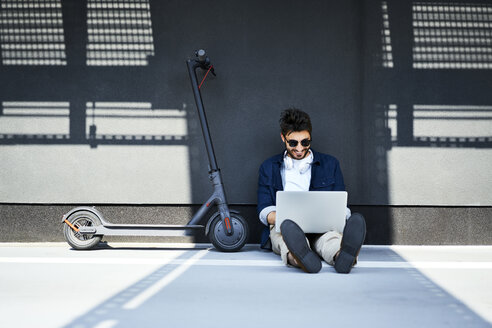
166,280
87,260
248,263
106,324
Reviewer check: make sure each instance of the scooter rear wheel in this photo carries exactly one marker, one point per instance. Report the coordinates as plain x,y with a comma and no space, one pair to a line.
76,239
219,238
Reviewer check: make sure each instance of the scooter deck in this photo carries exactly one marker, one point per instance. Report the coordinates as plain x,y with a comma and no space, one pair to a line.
140,230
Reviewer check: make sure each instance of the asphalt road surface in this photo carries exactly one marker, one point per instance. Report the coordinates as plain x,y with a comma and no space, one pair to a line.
176,285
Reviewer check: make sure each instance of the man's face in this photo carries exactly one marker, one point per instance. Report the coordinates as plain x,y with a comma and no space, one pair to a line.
299,151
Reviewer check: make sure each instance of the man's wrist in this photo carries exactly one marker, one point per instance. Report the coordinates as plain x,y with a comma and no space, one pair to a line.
264,213
271,217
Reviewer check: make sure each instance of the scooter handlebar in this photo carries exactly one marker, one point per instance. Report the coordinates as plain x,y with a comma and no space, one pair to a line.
203,61
202,56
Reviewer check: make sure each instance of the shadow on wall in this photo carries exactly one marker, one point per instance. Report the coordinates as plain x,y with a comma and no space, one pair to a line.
426,70
84,73
441,58
107,123
427,109
89,51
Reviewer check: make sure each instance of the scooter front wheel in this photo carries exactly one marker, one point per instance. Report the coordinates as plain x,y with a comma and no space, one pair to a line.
218,235
75,238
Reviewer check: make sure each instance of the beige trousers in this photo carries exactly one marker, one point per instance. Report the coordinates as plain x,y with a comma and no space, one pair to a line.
325,245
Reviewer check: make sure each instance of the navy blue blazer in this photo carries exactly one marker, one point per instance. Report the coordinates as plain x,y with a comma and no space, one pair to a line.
326,175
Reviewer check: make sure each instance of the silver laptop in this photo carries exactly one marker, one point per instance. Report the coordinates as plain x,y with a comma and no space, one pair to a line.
313,211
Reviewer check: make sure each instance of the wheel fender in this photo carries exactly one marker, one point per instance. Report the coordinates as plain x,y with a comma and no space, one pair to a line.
207,228
84,208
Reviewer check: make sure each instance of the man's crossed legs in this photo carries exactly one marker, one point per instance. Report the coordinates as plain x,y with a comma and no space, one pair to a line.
336,249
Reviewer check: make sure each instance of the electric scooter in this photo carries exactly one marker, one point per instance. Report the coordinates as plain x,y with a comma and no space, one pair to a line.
84,226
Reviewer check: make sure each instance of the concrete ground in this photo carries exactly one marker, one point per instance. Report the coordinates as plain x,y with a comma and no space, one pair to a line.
163,285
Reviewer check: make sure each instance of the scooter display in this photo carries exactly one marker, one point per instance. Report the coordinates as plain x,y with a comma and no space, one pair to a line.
85,226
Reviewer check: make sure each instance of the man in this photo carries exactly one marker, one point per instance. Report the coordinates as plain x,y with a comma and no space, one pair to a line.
300,168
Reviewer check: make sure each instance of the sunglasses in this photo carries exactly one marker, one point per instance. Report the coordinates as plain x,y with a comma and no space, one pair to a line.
304,142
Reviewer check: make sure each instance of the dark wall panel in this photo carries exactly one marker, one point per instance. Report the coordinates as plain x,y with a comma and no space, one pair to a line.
268,56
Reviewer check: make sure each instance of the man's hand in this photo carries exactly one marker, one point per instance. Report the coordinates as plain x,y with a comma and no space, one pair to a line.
271,217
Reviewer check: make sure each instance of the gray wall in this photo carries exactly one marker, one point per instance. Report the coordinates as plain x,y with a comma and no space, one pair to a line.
405,131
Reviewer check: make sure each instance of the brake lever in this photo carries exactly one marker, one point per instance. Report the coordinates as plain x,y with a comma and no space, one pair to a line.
212,70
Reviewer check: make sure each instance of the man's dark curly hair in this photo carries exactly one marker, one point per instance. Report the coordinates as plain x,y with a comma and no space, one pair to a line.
294,120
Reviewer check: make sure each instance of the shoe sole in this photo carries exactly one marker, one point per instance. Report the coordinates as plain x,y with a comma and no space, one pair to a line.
295,239
354,234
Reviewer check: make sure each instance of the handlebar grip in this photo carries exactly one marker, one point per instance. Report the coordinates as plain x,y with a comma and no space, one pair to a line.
202,56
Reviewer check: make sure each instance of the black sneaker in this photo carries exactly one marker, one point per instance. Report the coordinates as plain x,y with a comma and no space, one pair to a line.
296,242
354,234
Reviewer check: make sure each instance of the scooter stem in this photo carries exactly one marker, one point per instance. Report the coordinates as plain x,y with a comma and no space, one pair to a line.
192,66
218,197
